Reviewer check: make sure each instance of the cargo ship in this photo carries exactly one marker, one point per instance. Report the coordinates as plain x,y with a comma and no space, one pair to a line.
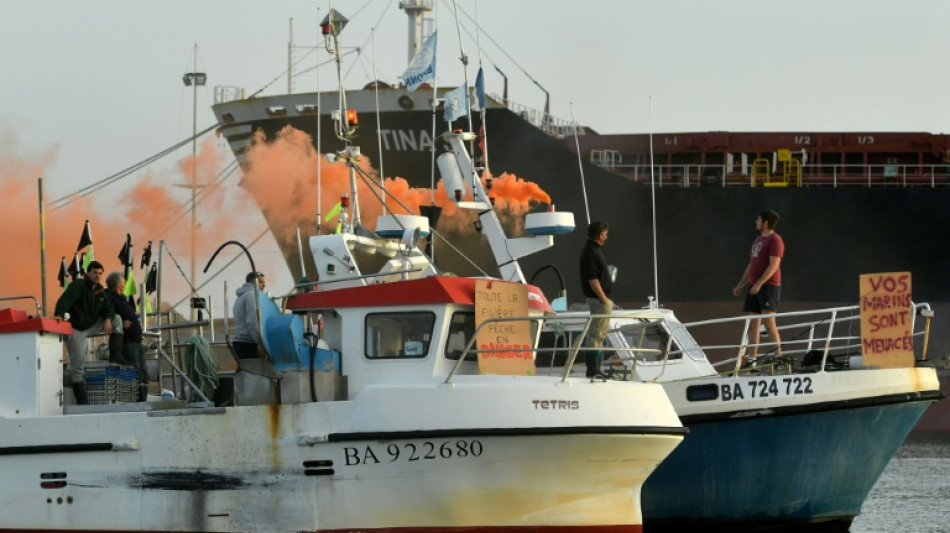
681,206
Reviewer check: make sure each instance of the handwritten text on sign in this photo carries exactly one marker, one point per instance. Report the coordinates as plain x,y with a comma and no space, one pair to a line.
508,343
886,335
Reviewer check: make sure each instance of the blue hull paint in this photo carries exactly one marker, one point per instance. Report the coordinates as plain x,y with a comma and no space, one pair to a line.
802,467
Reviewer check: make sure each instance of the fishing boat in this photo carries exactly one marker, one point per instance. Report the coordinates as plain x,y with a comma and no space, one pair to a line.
374,439
798,441
391,397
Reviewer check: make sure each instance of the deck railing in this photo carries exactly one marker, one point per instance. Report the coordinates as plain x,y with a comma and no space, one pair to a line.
866,176
816,338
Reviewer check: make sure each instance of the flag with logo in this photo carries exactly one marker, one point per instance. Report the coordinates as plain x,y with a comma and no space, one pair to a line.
422,67
456,103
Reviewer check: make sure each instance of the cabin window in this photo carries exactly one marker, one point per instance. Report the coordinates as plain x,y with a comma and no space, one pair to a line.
395,335
461,330
650,340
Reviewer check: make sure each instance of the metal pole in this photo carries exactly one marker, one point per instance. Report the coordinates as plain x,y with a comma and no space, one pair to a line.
303,270
194,180
42,247
290,59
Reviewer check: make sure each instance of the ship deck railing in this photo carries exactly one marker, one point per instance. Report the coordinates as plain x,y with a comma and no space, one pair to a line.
829,176
812,340
546,122
828,337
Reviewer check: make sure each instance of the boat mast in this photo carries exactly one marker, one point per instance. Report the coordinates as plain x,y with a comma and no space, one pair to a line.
344,122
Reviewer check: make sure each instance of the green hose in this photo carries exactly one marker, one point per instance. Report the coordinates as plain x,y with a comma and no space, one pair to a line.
201,366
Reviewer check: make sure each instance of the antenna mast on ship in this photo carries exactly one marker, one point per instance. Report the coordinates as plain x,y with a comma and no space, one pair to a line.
417,10
344,120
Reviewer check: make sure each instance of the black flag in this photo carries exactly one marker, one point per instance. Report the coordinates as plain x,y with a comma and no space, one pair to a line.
63,272
151,280
126,251
86,238
147,255
75,268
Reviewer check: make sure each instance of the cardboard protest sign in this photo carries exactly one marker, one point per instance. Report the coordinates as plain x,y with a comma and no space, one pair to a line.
501,299
887,339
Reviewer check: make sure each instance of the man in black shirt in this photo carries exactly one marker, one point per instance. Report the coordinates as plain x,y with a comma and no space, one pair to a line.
132,349
596,283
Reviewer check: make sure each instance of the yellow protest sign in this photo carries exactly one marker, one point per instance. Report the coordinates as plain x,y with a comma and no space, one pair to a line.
887,339
502,299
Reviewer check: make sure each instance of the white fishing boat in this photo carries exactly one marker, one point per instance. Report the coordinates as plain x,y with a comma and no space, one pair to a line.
409,440
380,406
799,440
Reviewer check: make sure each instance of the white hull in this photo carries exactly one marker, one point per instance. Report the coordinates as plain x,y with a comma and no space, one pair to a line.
747,394
344,466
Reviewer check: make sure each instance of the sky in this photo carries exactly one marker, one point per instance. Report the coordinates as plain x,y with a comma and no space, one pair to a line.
91,88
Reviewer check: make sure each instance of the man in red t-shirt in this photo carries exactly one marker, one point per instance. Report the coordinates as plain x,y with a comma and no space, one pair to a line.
763,274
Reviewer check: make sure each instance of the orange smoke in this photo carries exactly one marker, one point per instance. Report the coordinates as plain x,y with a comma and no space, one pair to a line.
152,209
282,176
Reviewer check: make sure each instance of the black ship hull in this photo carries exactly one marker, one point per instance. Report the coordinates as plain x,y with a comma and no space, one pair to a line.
702,233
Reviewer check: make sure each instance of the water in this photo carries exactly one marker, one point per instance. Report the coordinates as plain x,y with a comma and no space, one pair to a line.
913,493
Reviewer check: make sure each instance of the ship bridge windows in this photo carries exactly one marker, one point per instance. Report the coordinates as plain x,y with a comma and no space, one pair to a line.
649,341
307,109
397,335
276,110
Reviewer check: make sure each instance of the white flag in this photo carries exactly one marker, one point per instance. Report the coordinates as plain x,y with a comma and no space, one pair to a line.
456,103
422,67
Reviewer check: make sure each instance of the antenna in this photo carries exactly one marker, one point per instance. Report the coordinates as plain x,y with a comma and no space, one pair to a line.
580,164
319,148
656,283
379,137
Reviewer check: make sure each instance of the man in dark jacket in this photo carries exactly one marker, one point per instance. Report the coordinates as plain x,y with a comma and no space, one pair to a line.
132,349
90,313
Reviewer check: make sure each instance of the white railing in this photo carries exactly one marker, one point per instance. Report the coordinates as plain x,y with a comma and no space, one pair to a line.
556,127
224,94
823,336
833,332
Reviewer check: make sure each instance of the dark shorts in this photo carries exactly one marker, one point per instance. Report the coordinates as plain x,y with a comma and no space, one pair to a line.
766,301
